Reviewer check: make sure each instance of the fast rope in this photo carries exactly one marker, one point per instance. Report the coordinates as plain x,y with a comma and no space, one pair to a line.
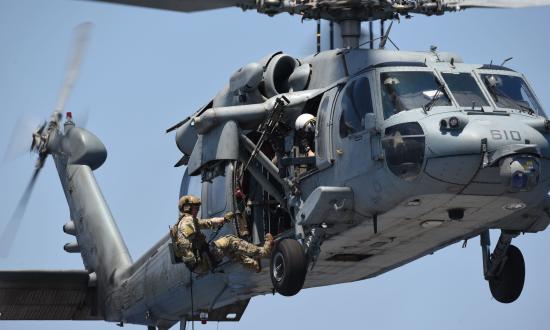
192,301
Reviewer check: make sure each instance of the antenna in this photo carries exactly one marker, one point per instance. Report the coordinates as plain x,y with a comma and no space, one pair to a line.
331,34
371,35
506,60
382,32
385,36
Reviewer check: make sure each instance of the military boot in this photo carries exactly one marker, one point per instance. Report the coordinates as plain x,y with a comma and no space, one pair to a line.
250,263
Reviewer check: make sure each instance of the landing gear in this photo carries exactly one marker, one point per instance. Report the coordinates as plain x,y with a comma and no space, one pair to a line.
507,286
504,269
288,267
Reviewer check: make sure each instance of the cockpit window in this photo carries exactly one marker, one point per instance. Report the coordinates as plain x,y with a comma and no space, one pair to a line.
405,90
465,90
511,92
356,103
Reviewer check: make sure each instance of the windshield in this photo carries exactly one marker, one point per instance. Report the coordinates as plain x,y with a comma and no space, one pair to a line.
465,90
406,90
511,92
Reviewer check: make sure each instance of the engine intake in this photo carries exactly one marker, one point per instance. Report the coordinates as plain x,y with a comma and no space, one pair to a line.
277,74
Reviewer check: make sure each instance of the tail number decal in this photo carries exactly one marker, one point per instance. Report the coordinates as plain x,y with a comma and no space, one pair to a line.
497,134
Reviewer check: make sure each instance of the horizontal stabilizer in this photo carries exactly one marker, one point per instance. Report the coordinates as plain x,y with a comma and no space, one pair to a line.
47,295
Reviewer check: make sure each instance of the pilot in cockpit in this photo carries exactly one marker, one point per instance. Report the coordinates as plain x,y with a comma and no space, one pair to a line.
390,89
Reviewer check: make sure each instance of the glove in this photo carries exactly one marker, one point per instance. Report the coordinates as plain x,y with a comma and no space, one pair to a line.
228,216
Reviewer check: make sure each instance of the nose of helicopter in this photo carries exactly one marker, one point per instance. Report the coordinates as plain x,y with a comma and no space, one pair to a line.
493,154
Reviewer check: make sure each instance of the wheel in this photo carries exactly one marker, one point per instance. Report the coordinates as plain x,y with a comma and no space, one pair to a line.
507,286
288,267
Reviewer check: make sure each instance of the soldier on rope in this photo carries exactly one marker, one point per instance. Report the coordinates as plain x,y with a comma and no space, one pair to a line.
191,246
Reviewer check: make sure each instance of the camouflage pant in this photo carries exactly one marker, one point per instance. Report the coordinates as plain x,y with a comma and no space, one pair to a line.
240,251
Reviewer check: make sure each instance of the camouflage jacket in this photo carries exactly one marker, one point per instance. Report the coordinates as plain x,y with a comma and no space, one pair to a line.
188,227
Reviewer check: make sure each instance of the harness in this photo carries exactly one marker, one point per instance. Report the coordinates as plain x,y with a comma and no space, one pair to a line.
199,245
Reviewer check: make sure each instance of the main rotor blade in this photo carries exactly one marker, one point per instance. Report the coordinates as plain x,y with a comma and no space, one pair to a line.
80,41
334,10
185,5
495,3
10,231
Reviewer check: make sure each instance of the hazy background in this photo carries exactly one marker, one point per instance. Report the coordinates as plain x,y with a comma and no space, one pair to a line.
146,70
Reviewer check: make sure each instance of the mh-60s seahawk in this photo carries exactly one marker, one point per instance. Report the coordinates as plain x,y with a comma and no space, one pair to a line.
412,152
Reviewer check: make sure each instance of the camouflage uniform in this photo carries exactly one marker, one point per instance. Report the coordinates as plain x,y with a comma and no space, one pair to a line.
190,243
241,251
191,246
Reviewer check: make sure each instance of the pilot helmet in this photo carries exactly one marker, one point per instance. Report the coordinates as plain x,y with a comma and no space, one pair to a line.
187,201
305,122
391,81
494,81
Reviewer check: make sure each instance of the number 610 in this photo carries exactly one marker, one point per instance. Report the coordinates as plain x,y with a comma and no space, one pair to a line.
505,135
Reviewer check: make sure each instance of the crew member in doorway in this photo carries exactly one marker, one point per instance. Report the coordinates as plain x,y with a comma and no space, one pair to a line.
305,134
191,246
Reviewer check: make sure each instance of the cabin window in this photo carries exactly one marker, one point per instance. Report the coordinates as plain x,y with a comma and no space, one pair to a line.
407,90
216,195
511,92
356,102
465,89
321,122
190,185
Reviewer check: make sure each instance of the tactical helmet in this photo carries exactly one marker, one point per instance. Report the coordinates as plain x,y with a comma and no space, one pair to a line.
187,201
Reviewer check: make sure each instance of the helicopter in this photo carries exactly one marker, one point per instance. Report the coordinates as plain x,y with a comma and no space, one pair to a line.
457,64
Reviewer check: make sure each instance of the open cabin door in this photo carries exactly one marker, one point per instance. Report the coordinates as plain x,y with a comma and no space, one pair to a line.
259,199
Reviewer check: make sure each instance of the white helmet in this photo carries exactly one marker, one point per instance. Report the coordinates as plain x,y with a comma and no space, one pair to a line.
494,81
305,122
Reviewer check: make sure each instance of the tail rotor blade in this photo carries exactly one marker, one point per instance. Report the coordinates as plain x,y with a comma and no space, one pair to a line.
10,231
80,42
21,138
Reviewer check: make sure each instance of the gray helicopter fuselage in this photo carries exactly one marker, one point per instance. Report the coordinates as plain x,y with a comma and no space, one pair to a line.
448,186
412,211
405,164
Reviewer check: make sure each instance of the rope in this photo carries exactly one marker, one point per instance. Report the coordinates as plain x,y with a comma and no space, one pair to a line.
192,303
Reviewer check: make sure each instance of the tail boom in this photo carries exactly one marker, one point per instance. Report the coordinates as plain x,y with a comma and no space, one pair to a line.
102,248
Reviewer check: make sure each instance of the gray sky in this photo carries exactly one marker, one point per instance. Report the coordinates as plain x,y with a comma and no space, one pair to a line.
146,70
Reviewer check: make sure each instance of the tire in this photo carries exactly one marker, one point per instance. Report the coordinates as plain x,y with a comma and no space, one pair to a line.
288,267
507,286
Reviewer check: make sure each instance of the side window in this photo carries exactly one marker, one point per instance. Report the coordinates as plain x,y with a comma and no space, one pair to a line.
320,127
356,102
216,195
190,185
